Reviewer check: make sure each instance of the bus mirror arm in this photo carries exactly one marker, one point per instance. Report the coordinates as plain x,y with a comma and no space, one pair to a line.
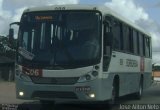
15,23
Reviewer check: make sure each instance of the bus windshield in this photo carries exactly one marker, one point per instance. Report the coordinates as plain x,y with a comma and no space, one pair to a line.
59,38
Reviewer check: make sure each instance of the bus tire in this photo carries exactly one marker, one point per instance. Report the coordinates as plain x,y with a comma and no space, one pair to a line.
138,94
114,93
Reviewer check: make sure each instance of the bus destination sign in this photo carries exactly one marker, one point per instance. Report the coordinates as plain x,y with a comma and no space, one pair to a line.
44,17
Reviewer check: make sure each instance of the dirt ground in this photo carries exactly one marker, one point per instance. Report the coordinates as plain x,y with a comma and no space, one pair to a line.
8,94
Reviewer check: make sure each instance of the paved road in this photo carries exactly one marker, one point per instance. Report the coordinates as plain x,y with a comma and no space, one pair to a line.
7,96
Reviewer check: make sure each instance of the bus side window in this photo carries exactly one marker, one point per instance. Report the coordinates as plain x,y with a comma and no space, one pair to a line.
141,44
116,30
107,42
147,46
135,42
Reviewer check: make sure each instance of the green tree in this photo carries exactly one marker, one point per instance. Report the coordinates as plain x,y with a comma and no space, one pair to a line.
6,48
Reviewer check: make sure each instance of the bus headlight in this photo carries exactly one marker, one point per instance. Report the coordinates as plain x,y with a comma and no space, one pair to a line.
84,78
21,93
88,76
92,95
95,73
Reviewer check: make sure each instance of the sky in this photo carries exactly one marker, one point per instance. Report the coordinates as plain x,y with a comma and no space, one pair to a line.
144,13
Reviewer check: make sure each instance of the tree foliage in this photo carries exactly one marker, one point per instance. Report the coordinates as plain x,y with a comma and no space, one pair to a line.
6,48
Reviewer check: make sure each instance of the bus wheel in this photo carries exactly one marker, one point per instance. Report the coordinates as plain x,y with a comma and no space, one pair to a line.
114,96
138,94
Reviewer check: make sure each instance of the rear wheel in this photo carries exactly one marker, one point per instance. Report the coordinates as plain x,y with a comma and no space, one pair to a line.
138,94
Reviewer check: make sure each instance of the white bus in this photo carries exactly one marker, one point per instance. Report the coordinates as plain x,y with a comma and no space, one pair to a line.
80,53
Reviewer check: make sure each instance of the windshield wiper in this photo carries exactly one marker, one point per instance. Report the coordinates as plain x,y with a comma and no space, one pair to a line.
26,54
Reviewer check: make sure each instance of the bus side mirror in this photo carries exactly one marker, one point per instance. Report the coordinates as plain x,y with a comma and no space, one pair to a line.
11,34
11,30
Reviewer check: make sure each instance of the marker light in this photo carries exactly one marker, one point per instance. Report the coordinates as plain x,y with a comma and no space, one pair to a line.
21,93
92,95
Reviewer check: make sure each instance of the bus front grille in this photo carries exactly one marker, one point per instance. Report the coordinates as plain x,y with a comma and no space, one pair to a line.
54,94
55,80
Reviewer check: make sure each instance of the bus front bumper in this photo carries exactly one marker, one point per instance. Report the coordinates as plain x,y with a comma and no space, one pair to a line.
95,90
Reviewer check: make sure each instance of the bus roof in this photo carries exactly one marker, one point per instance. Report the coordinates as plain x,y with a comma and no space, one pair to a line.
103,9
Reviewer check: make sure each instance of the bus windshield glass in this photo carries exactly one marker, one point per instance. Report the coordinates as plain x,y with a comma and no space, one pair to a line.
59,38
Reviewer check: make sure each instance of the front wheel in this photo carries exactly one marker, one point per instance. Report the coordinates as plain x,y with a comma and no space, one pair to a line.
114,95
